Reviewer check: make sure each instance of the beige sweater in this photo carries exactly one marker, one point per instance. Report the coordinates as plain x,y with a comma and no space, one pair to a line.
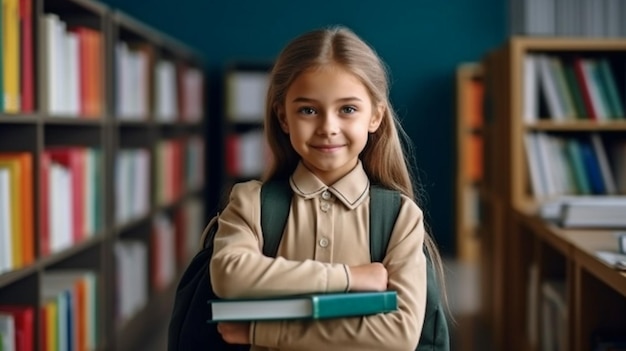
327,230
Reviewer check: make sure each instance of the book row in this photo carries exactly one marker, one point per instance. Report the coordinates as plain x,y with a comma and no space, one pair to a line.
571,88
71,194
563,164
146,266
67,315
148,83
568,18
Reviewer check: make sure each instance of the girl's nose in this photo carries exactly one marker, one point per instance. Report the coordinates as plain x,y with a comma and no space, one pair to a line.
328,124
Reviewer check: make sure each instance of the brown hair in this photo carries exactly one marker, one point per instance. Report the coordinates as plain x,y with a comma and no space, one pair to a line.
383,158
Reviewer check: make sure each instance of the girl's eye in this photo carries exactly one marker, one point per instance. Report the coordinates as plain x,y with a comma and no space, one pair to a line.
348,109
306,110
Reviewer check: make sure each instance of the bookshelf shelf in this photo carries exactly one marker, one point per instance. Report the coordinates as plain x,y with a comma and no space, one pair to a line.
535,268
575,126
65,159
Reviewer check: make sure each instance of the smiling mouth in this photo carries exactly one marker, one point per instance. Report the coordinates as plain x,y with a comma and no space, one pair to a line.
327,148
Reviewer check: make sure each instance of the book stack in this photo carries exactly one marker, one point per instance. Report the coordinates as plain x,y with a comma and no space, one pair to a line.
586,211
311,306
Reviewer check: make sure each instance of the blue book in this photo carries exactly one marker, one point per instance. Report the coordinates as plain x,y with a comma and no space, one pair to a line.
310,306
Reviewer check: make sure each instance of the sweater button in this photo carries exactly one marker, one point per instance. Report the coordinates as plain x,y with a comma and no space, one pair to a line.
325,206
324,242
326,195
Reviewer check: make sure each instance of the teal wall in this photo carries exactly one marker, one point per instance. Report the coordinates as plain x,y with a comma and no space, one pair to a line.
422,42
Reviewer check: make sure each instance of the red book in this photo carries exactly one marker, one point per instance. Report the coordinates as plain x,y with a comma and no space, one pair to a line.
585,83
27,75
24,317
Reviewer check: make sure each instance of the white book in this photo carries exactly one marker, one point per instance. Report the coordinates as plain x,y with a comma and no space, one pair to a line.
534,165
549,88
594,215
7,330
6,253
553,209
246,95
531,89
73,74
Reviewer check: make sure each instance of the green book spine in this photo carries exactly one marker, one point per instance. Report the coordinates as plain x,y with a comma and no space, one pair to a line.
611,89
578,167
577,97
353,304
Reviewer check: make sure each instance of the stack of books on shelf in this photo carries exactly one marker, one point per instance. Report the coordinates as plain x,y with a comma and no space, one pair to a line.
572,88
246,90
71,196
586,211
69,312
575,18
74,69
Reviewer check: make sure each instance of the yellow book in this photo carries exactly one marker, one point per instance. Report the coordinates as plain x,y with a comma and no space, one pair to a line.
52,326
15,181
11,52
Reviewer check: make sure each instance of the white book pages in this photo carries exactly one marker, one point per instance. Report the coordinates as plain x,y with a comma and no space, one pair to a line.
6,240
246,96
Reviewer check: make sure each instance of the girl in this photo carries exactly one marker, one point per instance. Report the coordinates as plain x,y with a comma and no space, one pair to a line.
332,132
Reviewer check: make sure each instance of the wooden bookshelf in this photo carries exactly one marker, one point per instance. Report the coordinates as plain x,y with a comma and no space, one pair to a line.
162,114
523,254
469,98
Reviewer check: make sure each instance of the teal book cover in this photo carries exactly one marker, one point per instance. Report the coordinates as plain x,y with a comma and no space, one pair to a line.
310,306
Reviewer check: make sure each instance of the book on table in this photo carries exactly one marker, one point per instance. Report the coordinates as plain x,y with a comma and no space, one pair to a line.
309,306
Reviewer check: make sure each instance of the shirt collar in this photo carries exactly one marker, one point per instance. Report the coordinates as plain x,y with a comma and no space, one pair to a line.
351,189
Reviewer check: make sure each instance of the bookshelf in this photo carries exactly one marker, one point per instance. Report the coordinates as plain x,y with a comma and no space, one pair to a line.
102,141
469,99
245,89
544,283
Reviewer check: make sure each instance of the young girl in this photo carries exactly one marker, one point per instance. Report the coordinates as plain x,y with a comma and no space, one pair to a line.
332,133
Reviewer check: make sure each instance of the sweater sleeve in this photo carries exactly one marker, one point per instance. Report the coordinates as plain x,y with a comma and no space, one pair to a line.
238,267
400,330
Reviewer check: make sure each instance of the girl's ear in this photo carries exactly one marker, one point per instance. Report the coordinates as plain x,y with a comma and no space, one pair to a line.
377,118
282,118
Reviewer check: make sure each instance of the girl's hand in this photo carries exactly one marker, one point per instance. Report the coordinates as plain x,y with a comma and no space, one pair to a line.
368,277
235,333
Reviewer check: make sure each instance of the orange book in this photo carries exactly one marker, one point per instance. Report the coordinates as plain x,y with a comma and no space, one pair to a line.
474,166
25,204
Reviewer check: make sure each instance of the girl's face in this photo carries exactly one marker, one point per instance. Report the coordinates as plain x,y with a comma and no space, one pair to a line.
328,114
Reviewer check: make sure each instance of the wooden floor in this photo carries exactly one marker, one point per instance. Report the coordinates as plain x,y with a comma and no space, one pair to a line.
467,331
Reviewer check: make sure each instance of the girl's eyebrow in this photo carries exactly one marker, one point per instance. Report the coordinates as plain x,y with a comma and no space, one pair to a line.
346,99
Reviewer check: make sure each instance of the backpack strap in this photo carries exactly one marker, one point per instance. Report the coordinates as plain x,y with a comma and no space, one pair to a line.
384,210
275,203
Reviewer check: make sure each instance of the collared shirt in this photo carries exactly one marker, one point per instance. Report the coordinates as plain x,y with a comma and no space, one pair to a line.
327,230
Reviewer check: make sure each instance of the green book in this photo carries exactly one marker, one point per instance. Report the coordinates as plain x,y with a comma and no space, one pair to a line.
310,306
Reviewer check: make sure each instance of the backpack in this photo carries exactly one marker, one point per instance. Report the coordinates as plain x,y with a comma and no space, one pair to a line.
188,328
